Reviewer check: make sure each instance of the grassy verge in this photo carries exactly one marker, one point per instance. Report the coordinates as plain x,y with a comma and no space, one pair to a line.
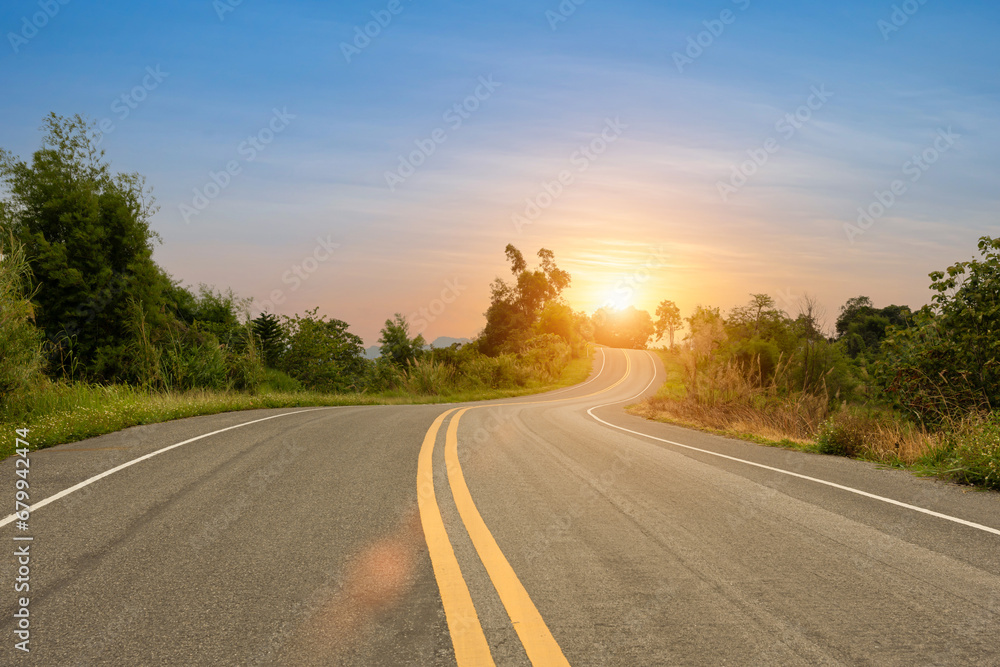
966,450
67,413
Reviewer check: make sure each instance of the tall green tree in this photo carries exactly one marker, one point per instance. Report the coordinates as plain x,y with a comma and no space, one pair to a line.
267,327
515,307
396,344
86,234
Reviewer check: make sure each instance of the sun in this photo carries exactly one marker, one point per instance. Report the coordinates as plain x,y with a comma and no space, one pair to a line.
615,298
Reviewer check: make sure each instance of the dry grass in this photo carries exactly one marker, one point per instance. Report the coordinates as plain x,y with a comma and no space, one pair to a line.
726,399
963,449
876,436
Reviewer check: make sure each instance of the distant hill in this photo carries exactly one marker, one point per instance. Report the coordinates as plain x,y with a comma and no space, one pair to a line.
445,341
372,352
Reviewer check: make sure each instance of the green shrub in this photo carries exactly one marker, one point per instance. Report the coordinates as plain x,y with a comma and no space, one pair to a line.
244,360
975,451
843,434
20,339
278,381
193,358
547,355
428,377
383,375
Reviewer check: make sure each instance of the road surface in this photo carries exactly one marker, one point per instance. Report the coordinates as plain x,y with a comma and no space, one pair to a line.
546,530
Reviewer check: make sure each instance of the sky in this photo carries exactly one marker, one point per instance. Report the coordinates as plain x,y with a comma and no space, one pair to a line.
376,157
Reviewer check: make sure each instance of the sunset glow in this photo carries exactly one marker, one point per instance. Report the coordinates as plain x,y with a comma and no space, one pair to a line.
463,128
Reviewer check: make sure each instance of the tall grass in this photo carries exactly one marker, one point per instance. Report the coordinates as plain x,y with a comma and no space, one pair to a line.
963,447
731,397
20,341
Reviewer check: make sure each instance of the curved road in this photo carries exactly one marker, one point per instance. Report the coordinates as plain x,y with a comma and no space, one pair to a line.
547,530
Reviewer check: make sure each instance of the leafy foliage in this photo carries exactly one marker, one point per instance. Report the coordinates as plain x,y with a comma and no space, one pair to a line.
322,353
948,362
20,341
87,238
396,345
515,307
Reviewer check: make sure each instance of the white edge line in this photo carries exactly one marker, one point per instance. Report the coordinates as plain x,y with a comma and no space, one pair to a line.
76,487
849,489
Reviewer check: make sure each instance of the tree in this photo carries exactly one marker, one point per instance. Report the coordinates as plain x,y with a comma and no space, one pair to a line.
668,320
396,344
706,335
862,327
809,327
322,353
515,308
949,360
758,319
86,234
559,319
852,311
219,312
272,337
629,328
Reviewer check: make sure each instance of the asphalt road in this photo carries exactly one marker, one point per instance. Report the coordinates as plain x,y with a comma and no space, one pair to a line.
547,530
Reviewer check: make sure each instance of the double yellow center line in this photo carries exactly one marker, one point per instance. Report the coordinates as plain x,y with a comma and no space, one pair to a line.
471,647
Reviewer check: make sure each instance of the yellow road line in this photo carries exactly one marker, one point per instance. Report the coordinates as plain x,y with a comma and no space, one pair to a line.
471,647
538,642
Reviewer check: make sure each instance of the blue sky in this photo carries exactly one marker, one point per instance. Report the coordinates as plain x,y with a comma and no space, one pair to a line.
310,217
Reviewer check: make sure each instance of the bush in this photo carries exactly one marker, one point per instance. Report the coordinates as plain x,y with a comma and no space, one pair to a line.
244,362
322,354
428,377
974,448
20,340
193,358
277,381
383,375
547,355
844,434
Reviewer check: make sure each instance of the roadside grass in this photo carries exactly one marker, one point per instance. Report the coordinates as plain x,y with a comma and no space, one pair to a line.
58,413
965,450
